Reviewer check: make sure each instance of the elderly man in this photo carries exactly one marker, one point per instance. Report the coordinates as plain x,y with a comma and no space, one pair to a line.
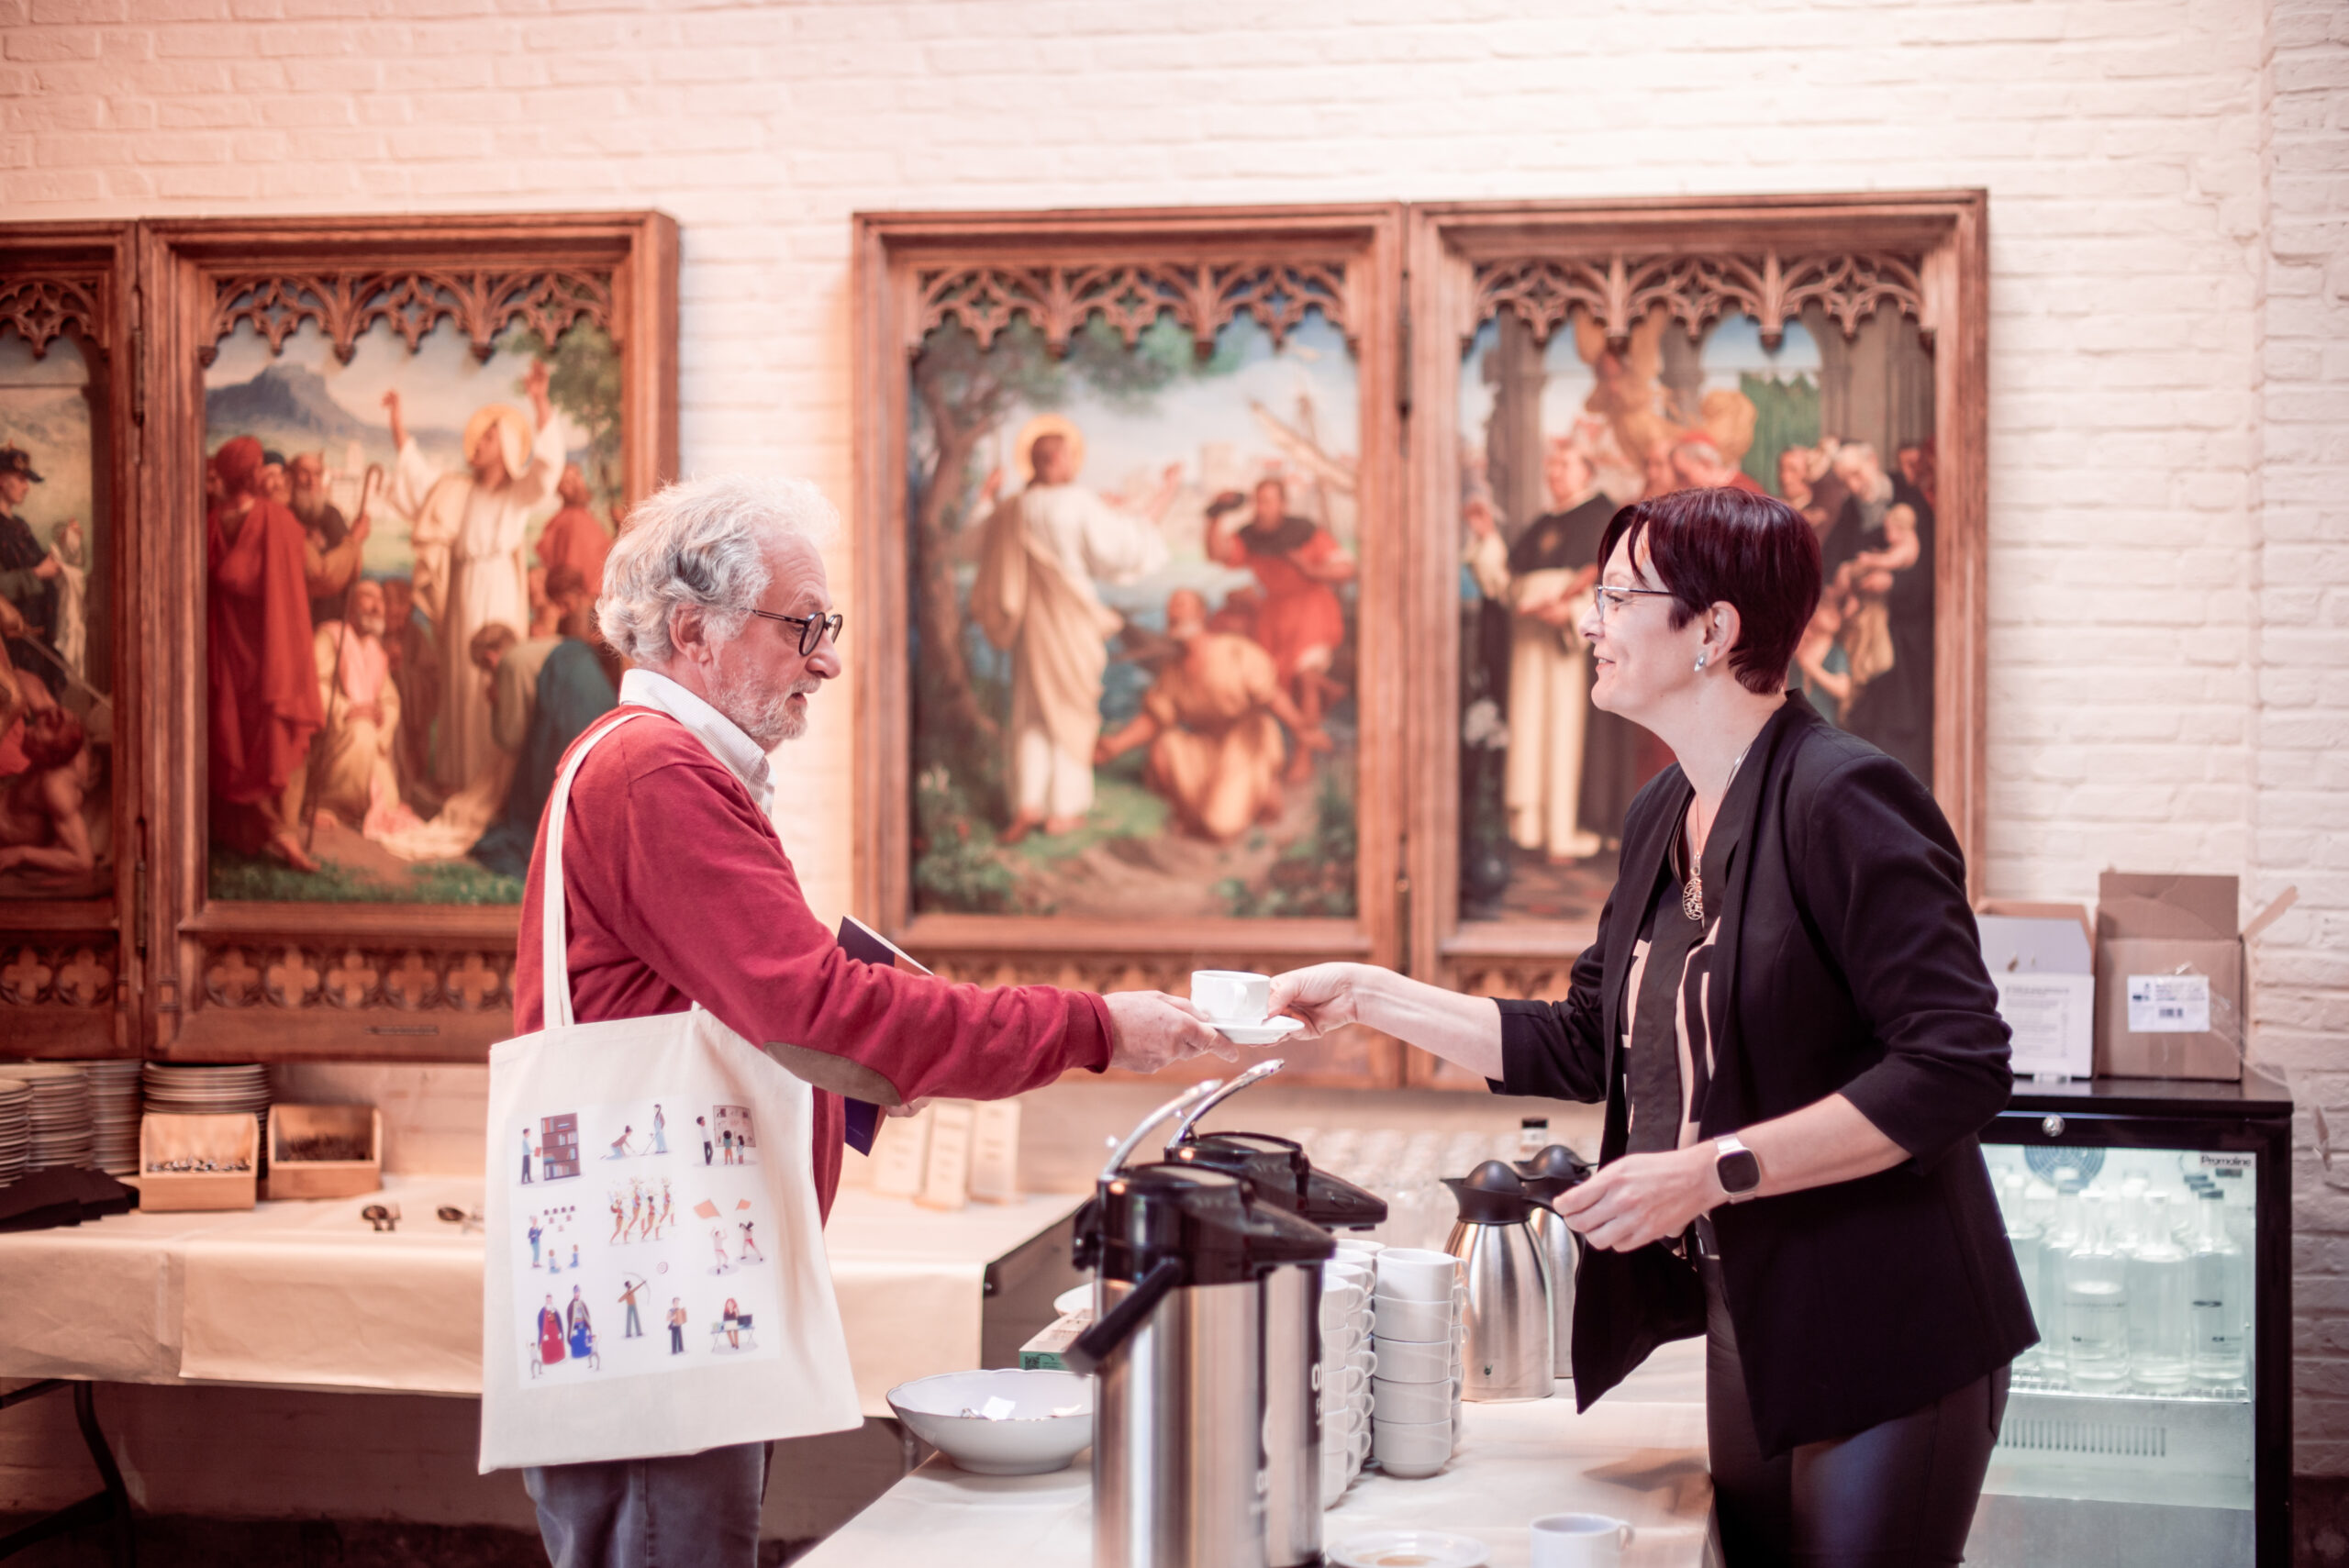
330,552
680,891
351,771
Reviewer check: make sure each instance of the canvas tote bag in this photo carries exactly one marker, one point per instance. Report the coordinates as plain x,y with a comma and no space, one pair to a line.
656,1279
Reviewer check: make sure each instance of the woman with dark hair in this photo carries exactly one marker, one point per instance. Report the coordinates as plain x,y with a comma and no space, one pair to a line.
1787,1016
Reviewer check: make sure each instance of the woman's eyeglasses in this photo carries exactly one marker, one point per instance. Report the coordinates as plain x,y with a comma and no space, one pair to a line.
1613,599
813,630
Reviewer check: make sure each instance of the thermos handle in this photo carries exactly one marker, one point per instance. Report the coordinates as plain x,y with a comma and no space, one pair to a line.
1207,1102
1099,1342
1175,1106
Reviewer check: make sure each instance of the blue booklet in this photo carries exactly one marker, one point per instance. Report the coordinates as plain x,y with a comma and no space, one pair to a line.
861,942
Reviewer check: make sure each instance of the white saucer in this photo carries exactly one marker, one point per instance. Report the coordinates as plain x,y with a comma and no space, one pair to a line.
1435,1548
1264,1033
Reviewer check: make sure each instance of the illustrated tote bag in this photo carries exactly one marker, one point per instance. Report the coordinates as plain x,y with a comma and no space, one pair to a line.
657,1283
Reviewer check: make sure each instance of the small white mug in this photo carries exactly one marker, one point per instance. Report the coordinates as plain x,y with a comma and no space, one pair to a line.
1341,1304
1232,995
1417,1273
1410,1403
1341,1383
1406,1361
1420,1321
1580,1541
1411,1449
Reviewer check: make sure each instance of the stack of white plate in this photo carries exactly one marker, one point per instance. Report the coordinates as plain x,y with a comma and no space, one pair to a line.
16,1127
62,1134
114,1115
210,1091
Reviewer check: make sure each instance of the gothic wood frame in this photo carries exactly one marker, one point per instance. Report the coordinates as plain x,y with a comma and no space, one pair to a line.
70,969
1698,258
241,981
1203,265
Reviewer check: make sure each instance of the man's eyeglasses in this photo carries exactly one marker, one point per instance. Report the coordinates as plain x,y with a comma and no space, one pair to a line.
1612,599
813,630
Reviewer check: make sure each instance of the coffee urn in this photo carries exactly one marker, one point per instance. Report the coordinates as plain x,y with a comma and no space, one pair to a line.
1279,1173
1179,1461
1547,1175
1507,1355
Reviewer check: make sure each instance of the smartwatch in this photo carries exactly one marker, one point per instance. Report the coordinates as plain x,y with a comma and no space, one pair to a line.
1734,1165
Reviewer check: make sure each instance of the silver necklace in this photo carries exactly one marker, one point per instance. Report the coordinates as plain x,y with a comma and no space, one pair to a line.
1692,892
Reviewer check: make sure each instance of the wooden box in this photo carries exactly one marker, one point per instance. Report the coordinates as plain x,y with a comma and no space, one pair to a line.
293,1176
163,1138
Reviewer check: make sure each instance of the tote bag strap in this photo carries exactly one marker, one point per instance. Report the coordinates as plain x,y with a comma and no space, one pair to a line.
554,978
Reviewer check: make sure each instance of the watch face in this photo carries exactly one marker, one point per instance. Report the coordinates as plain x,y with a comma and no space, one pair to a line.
1739,1171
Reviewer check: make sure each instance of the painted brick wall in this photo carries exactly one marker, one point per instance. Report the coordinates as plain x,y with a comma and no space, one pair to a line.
2301,615
2167,362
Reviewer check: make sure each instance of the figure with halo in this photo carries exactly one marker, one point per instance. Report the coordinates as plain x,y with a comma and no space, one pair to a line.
1042,551
466,529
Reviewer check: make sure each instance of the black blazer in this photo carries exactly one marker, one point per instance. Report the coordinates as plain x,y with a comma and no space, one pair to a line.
1848,961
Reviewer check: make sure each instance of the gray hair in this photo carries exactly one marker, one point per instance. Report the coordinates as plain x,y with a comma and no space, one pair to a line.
702,543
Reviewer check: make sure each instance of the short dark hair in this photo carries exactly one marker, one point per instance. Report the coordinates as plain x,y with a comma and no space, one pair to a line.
1724,545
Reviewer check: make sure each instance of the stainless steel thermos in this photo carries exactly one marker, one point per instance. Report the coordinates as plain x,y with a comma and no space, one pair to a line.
1508,1354
1278,1173
1548,1173
1181,1468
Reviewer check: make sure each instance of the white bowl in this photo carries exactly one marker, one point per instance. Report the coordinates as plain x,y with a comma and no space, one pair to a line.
1048,1421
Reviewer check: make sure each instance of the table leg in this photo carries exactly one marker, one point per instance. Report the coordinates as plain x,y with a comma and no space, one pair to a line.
113,1504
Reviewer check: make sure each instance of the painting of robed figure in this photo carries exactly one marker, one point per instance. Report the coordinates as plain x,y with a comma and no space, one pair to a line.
1133,645
403,547
56,679
1557,433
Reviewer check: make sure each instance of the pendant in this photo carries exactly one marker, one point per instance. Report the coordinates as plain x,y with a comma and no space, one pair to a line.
1692,898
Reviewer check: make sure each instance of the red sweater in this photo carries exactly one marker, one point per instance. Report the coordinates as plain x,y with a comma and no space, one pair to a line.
679,891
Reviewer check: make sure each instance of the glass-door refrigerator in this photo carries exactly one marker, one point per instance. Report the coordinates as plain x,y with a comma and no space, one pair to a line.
2153,1424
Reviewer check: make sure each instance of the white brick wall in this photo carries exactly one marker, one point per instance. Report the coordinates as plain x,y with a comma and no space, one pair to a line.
2169,375
2300,655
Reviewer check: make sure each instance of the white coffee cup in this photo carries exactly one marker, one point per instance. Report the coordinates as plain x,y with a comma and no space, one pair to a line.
1410,1403
1341,1383
1414,1274
1232,995
1580,1541
1399,1319
1358,1271
1362,1246
1411,1449
1341,1304
1415,1360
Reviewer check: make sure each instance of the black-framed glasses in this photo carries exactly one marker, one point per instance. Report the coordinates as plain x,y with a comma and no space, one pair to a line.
813,630
1612,598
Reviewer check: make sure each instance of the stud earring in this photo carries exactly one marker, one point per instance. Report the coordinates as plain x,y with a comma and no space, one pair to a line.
1700,663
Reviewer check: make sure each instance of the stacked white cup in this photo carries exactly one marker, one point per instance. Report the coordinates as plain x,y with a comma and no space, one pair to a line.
1415,1395
1344,1383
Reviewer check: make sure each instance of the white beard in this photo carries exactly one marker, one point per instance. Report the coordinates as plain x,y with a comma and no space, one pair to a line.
768,719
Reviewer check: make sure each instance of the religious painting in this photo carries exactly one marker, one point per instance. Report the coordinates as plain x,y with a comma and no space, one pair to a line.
1575,357
1133,620
1558,433
385,461
58,718
405,547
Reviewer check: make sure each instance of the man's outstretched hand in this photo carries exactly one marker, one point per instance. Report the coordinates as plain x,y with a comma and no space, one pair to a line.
1154,1029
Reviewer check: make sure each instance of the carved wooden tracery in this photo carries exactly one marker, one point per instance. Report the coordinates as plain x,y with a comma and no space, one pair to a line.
1621,291
352,978
1202,297
346,305
42,305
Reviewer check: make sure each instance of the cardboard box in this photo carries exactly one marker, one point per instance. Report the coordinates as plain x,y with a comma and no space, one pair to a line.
165,1138
2171,996
2042,957
293,1176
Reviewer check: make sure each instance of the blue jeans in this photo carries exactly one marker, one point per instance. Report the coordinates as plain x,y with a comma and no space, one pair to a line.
685,1511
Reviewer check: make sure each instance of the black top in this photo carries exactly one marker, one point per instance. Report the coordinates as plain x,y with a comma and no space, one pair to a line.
1668,1025
1566,539
1849,963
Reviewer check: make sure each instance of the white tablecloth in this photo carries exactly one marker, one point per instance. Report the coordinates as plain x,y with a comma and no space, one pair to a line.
1638,1455
307,1295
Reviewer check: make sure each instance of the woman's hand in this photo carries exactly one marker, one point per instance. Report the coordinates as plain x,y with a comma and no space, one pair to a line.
1323,996
1642,1198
